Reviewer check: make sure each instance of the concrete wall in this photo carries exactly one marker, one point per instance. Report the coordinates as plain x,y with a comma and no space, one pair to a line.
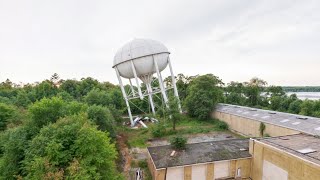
159,174
207,171
249,127
266,159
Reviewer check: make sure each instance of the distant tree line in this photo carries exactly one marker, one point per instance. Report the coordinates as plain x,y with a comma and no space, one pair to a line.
301,88
256,93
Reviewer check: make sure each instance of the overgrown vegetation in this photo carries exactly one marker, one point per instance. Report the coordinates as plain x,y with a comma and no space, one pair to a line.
185,126
66,129
262,128
222,125
158,130
51,130
178,142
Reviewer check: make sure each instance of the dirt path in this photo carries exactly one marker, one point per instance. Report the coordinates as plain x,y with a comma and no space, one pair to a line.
125,155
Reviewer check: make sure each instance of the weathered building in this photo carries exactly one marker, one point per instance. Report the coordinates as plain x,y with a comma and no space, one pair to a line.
291,153
207,160
246,121
292,157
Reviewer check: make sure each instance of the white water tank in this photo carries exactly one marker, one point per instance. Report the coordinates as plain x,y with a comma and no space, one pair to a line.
141,52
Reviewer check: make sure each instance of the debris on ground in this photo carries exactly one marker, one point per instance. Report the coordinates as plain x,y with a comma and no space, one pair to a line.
173,153
140,122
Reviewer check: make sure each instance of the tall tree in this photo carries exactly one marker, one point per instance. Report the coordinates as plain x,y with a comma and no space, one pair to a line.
55,78
204,92
173,111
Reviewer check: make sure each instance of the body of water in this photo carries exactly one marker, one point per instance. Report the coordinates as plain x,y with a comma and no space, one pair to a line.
306,95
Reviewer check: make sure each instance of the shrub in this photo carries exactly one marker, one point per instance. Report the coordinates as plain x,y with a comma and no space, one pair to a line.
159,130
142,164
178,142
222,125
262,128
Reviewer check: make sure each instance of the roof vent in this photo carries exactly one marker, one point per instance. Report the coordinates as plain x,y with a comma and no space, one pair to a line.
302,118
252,110
285,120
272,112
306,151
283,138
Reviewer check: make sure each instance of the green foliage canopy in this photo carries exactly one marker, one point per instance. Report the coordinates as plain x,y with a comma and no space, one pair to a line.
204,92
71,148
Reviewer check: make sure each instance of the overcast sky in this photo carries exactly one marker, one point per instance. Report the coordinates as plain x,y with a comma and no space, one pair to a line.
278,41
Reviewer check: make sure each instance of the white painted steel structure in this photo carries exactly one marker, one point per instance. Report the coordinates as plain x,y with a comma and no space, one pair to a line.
140,59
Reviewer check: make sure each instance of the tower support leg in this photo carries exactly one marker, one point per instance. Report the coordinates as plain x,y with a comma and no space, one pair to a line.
174,85
163,91
124,96
137,81
132,89
149,88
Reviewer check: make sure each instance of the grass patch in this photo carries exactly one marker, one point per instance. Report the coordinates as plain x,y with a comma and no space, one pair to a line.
135,137
185,126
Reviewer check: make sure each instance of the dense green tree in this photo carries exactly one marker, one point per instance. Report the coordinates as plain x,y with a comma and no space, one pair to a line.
6,112
13,143
45,89
86,85
235,93
307,108
102,117
71,148
295,106
253,95
71,87
98,97
275,102
116,98
75,107
204,92
5,100
47,111
22,99
65,96
253,90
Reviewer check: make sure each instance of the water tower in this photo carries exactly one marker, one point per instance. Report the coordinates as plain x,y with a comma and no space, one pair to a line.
140,59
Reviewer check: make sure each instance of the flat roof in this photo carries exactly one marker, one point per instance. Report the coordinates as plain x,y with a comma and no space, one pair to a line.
203,152
302,145
305,124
